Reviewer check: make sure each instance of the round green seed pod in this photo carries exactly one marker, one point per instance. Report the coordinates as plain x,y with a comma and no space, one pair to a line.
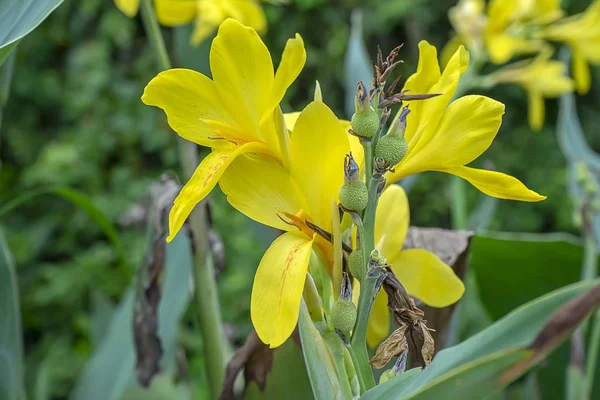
355,263
365,124
386,376
343,316
391,148
354,195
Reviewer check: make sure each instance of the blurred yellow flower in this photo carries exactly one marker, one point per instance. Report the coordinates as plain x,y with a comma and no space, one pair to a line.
265,190
445,136
513,26
208,14
469,21
421,272
234,113
582,33
541,77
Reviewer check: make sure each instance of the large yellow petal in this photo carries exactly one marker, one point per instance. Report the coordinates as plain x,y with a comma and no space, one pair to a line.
466,130
259,187
379,320
290,119
427,75
427,278
391,221
581,72
248,12
203,181
278,286
318,146
189,99
536,110
175,12
497,184
128,7
243,72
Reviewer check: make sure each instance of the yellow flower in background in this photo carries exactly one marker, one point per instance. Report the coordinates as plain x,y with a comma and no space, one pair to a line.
513,26
234,113
541,77
266,191
208,14
421,272
445,136
582,33
469,21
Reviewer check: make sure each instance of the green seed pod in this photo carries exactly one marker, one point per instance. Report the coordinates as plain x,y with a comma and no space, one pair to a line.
355,264
392,149
343,315
353,194
365,121
386,376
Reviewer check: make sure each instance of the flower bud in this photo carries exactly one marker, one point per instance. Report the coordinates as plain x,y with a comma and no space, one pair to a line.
365,121
393,147
386,376
355,264
354,194
343,313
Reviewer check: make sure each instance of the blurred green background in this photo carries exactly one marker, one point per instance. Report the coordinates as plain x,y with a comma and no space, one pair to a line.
74,118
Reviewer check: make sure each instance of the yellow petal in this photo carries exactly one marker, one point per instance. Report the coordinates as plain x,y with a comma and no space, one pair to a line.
379,320
175,12
128,7
278,286
317,148
427,75
243,72
259,187
248,12
449,49
290,119
467,129
426,277
189,98
203,181
497,184
391,221
292,62
581,72
536,110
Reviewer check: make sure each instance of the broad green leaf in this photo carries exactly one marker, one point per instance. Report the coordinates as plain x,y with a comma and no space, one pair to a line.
11,333
319,364
80,200
19,17
111,371
506,338
357,65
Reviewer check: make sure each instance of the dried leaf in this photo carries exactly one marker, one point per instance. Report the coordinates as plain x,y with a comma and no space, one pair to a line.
428,347
391,347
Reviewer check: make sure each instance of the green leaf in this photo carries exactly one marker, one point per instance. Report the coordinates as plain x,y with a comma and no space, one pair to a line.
19,17
80,200
357,64
111,371
490,360
11,333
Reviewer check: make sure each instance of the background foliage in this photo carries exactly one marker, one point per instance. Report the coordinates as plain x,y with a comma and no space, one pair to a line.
74,118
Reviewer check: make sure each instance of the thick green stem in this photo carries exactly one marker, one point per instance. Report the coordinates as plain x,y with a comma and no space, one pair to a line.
458,203
588,272
368,151
205,284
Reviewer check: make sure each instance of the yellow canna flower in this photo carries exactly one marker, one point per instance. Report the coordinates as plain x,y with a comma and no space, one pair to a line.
469,22
513,26
421,272
445,136
265,190
207,13
541,78
234,113
582,33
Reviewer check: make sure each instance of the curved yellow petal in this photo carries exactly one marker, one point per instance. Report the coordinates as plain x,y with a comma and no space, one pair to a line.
391,221
497,184
203,181
128,7
248,12
318,146
259,187
243,73
290,119
189,99
536,110
278,286
449,49
427,278
581,72
175,12
467,128
379,320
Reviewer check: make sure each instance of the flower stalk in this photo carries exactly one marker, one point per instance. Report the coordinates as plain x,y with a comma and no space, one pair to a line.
206,294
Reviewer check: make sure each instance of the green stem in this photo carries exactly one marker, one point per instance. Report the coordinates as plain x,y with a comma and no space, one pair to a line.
588,272
458,203
361,377
205,284
6,71
593,350
368,151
